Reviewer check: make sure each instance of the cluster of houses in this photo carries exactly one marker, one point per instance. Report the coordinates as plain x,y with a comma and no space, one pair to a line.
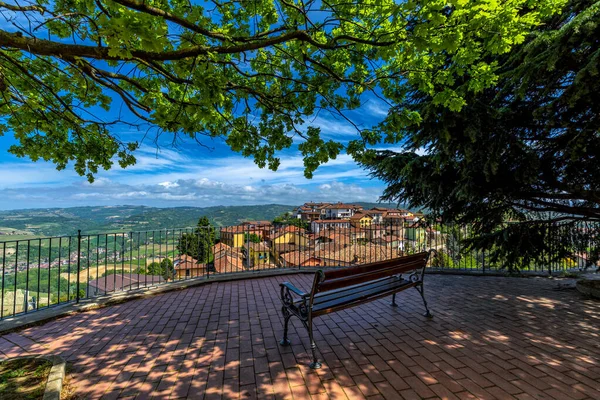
322,216
339,235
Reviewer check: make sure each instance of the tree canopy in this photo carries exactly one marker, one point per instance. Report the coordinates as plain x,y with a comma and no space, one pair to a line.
198,244
519,158
287,219
163,268
251,72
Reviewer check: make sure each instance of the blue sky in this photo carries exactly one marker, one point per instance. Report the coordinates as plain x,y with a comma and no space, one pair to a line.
191,175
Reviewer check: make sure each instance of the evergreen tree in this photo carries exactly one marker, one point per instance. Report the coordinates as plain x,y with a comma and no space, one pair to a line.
198,244
524,151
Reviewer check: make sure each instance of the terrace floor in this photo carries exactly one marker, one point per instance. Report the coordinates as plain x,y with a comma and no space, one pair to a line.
491,337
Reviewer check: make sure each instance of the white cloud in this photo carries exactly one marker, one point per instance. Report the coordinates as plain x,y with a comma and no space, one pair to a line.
377,108
150,158
336,126
192,192
169,185
242,171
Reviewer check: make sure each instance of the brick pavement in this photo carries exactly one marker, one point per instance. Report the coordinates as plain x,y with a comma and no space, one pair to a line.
491,338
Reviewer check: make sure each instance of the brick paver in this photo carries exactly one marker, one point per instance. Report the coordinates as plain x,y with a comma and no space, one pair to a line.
491,338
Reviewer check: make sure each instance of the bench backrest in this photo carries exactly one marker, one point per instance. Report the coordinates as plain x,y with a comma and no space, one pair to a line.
340,278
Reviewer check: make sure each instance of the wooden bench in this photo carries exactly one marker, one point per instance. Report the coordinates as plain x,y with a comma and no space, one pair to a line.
337,289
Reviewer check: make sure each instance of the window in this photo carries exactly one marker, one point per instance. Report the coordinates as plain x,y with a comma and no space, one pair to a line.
187,272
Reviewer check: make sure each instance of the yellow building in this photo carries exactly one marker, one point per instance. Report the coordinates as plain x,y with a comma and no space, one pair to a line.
232,238
290,235
256,253
360,220
236,236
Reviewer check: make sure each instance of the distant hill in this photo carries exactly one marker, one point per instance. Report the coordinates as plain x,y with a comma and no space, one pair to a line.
66,221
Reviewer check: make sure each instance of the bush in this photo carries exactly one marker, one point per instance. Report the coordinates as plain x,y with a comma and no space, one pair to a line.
441,259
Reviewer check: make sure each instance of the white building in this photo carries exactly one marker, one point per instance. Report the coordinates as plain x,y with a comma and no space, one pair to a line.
341,210
318,226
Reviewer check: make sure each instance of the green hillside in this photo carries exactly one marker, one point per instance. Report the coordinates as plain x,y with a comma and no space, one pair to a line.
24,224
66,221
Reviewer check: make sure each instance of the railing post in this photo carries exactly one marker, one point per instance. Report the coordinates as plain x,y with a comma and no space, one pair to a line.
208,261
78,261
483,260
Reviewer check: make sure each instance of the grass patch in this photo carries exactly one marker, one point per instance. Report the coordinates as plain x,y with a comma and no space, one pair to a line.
569,274
24,379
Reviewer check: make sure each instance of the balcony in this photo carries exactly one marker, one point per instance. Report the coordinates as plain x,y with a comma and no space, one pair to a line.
217,337
492,337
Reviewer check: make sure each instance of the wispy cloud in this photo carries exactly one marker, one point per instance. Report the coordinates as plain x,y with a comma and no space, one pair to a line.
377,108
199,192
25,174
192,175
335,126
237,170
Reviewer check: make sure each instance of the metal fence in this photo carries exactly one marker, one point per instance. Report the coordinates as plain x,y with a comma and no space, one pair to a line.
43,272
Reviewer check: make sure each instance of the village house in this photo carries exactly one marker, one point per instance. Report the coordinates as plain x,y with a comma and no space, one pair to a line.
235,236
324,248
415,232
307,214
374,232
341,238
355,255
310,211
264,226
256,254
317,226
341,211
188,267
300,259
228,261
377,213
361,220
394,217
277,250
257,224
391,241
289,234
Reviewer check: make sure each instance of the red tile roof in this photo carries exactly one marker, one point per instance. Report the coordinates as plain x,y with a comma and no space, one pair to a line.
329,221
187,262
342,205
221,247
228,263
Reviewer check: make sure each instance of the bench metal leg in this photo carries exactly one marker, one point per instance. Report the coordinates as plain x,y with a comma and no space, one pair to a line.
286,315
394,304
315,364
420,289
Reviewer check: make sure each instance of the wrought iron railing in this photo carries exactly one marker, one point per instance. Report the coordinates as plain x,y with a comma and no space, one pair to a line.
38,273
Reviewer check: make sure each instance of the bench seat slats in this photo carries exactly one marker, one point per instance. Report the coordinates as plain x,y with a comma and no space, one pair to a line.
368,276
360,293
342,292
350,271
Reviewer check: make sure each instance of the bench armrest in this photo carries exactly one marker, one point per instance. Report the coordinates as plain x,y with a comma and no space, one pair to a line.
293,289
